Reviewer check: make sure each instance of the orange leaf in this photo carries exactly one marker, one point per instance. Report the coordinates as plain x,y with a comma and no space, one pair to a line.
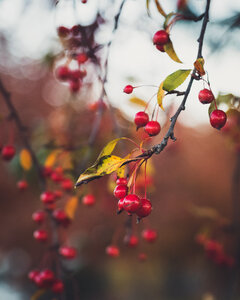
25,159
199,66
71,206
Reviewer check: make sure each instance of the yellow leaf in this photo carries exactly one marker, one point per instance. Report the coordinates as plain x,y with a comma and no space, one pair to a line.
108,149
199,66
51,159
71,207
25,159
38,294
171,52
159,8
138,101
147,4
160,95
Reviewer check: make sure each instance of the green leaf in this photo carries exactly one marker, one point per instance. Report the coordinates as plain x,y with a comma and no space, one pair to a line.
171,52
160,9
160,95
175,79
108,149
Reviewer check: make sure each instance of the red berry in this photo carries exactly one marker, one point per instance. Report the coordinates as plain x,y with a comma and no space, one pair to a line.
145,209
67,184
38,280
82,58
131,241
47,276
8,152
160,48
131,203
74,86
75,75
120,205
120,191
62,73
40,235
84,1
152,128
56,176
121,181
32,274
141,119
161,37
39,216
149,235
128,89
68,252
61,217
58,194
205,96
47,197
76,29
88,200
112,251
218,118
213,248
57,286
22,185
63,31
142,256
46,171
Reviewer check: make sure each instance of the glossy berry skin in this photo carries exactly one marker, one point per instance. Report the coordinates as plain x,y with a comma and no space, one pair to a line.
62,73
22,185
47,197
152,128
40,235
112,251
63,31
33,274
131,241
149,235
161,37
47,276
160,48
88,200
67,184
120,205
205,96
122,181
61,217
82,58
141,119
39,216
131,203
57,286
8,152
128,89
120,191
218,118
68,252
145,209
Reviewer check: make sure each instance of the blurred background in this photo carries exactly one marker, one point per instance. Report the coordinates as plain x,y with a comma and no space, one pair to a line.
192,183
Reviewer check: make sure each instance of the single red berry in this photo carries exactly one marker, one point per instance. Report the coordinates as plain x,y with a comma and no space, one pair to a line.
22,185
141,119
213,248
88,200
46,171
131,241
40,235
128,89
120,191
63,31
131,203
8,152
121,181
142,256
84,1
145,209
68,252
218,118
61,217
57,286
39,216
205,96
76,29
160,48
62,73
32,274
152,128
47,276
112,251
56,176
74,86
47,197
161,37
67,184
82,58
149,235
120,205
38,280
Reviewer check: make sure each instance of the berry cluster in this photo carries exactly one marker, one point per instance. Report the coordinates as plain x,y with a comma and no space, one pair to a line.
214,251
